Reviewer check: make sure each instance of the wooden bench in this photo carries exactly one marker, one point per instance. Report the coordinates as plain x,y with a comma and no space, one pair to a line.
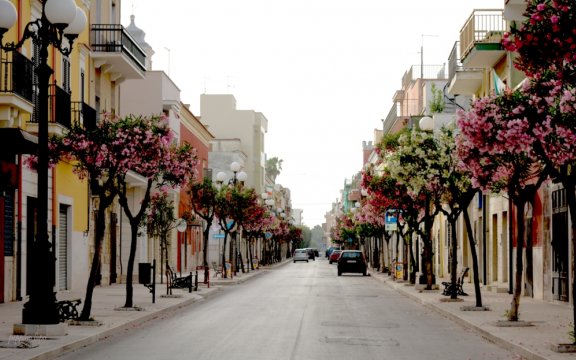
68,309
217,269
459,283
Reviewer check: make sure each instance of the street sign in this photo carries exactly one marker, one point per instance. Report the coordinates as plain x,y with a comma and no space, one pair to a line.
391,223
218,236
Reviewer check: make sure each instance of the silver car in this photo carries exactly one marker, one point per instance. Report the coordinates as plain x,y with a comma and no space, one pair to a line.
300,255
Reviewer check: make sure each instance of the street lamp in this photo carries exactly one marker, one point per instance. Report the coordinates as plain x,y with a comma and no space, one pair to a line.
59,25
238,176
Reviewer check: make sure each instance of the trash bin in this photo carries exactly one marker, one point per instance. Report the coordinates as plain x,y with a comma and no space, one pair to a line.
145,273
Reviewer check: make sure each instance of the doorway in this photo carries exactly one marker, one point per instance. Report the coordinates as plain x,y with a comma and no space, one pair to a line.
63,242
560,233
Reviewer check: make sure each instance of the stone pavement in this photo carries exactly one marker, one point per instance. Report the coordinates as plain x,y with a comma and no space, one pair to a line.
549,322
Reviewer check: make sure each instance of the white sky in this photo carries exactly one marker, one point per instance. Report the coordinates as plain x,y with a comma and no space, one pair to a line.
323,72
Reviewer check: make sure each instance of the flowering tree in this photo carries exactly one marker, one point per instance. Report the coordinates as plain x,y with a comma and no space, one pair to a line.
91,153
417,165
203,202
231,204
160,221
254,222
148,143
456,195
247,206
546,43
496,147
384,193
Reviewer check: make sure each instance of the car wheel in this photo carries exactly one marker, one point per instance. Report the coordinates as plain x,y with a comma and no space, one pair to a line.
339,273
330,261
306,260
364,273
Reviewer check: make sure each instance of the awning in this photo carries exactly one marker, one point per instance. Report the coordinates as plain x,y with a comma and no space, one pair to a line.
17,141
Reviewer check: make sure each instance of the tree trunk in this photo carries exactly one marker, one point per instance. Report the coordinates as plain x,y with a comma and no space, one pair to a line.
224,272
454,266
474,258
130,269
206,238
513,314
100,226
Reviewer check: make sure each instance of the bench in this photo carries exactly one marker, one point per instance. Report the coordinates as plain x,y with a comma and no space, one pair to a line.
459,283
67,309
217,269
184,282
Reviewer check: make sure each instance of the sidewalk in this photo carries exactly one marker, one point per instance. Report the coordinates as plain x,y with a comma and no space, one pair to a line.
105,304
549,322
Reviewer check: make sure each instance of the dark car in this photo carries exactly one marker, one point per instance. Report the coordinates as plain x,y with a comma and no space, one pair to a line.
311,254
352,261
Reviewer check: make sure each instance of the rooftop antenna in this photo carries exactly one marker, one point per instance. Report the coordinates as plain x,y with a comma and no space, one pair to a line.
422,55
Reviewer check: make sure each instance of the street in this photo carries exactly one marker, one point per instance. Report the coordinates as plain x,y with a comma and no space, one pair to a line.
300,311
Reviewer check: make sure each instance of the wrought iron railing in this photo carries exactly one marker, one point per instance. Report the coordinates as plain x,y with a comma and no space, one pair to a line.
58,107
83,114
115,39
16,73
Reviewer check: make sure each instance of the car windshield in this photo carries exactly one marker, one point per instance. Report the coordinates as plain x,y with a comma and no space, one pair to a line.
351,255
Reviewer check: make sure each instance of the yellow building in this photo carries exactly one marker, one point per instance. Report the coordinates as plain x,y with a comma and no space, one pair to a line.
83,86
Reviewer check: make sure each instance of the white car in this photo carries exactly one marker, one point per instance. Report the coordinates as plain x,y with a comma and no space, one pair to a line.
300,255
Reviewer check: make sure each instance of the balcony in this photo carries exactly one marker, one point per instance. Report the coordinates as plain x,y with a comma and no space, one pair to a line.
115,52
480,39
84,115
59,114
461,80
16,74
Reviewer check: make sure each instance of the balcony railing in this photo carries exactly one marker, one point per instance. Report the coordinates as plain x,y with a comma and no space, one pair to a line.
114,38
84,115
58,107
16,74
483,26
430,72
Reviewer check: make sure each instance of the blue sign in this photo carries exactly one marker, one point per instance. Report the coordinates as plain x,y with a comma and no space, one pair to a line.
218,236
268,235
391,223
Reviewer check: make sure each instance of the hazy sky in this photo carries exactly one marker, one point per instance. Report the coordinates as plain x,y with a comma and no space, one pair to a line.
323,72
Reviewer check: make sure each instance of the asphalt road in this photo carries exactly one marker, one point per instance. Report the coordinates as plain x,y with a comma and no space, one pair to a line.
300,311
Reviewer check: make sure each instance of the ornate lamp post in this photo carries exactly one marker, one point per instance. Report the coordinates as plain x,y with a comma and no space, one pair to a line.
59,26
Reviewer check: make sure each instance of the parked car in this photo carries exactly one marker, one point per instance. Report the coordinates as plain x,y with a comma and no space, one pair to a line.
300,255
334,255
352,261
330,249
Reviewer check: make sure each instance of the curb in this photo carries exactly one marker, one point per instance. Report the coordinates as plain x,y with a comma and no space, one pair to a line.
122,327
